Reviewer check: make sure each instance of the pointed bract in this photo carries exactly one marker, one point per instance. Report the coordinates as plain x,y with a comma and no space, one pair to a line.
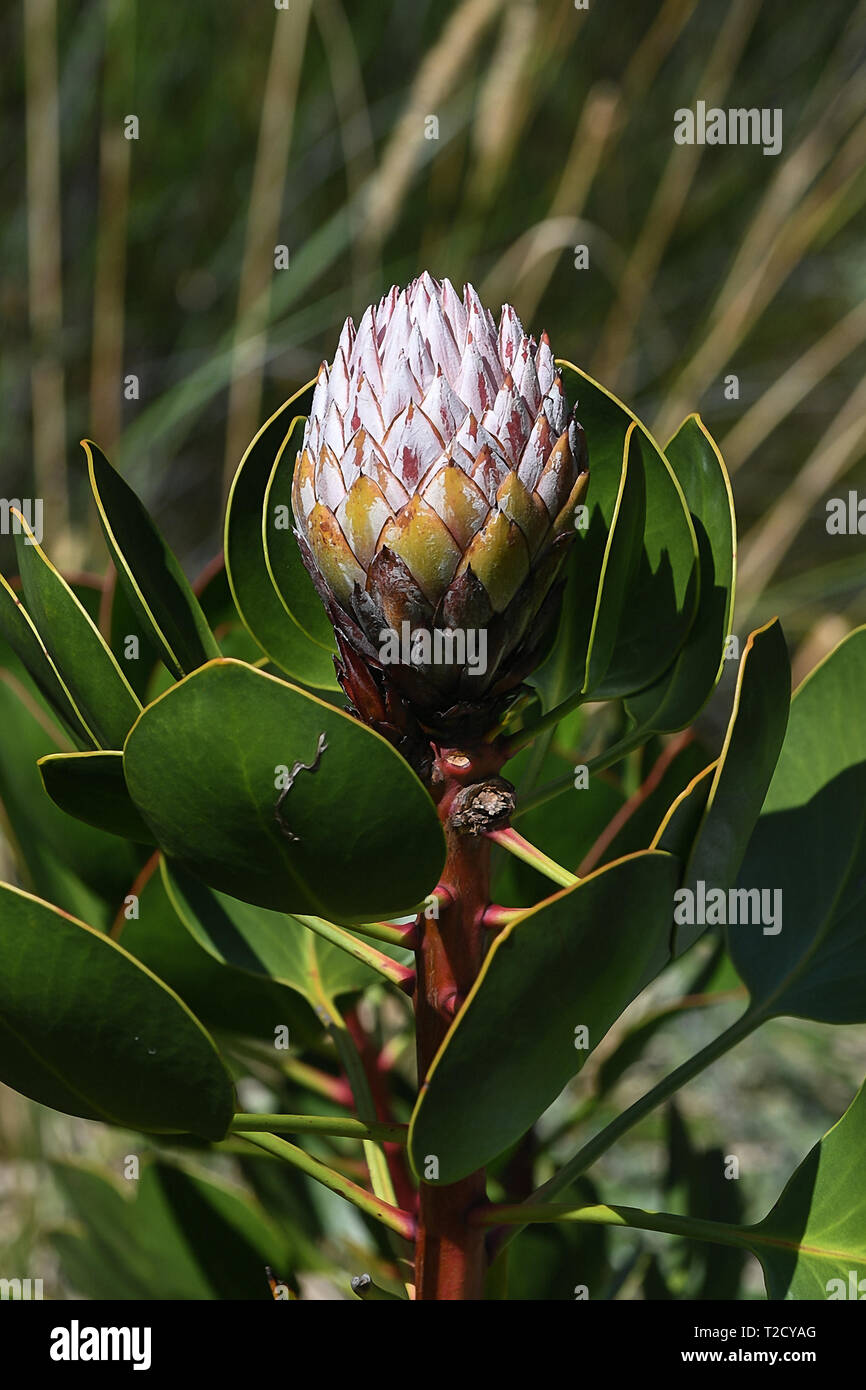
435,489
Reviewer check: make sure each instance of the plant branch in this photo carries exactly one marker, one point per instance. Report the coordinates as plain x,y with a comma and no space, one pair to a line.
602,1141
495,918
633,1217
522,849
518,740
377,1163
401,1222
310,1078
451,1258
399,975
604,760
320,1082
405,1191
386,931
345,1128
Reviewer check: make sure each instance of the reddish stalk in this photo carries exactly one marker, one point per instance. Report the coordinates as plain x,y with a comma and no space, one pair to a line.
496,918
394,1153
450,1252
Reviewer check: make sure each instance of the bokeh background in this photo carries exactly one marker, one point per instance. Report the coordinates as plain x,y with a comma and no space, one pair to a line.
307,128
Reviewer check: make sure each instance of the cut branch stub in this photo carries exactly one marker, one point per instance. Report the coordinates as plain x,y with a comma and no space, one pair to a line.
483,807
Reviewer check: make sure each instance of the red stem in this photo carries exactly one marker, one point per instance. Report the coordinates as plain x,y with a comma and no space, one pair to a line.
450,1253
394,1153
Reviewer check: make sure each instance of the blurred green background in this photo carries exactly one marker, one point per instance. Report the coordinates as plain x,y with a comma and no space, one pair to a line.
153,258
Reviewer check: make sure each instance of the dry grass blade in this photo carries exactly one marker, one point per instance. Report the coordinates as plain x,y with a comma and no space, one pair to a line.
670,198
436,78
356,131
598,119
44,271
536,248
819,641
826,122
654,47
522,273
263,219
793,386
106,368
785,224
601,121
765,545
505,99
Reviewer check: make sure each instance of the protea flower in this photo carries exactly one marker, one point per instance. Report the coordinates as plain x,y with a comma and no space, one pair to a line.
434,497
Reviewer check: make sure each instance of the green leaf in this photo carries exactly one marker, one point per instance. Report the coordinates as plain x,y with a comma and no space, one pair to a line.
57,855
810,846
633,1043
549,1263
258,602
573,964
230,1236
89,589
742,773
679,826
18,630
85,663
123,623
231,1000
696,1179
152,579
263,942
812,1245
560,675
214,594
565,829
45,873
618,568
87,1030
124,1242
637,824
173,1234
283,556
204,765
678,696
663,591
91,787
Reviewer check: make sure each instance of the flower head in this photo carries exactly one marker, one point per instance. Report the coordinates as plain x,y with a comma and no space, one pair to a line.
435,488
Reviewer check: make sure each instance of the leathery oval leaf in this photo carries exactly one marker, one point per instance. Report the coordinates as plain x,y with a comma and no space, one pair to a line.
85,663
273,796
740,779
257,599
91,787
89,1031
283,555
553,983
17,628
263,942
808,855
663,588
677,697
812,1245
148,570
